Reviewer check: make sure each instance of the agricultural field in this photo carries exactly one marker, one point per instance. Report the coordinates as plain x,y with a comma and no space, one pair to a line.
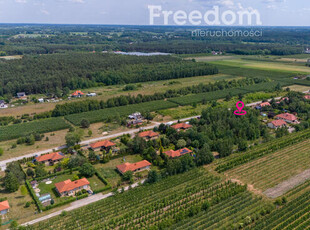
299,88
272,169
166,203
40,126
103,114
106,92
209,96
293,215
263,65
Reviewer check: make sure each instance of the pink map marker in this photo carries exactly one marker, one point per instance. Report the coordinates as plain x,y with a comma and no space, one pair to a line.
240,111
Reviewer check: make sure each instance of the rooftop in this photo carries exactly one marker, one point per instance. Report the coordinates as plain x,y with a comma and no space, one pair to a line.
99,144
68,185
51,156
148,134
4,205
178,153
133,166
181,126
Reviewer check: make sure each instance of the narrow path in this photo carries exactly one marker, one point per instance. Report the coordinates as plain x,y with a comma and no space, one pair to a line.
80,203
87,142
287,185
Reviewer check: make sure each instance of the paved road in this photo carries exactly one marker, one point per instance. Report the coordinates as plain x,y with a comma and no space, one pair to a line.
78,204
5,162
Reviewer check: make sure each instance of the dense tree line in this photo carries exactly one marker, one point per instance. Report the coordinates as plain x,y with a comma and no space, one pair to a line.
60,72
90,105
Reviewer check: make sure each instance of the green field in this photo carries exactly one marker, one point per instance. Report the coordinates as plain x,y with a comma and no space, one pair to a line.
40,126
103,114
165,203
268,171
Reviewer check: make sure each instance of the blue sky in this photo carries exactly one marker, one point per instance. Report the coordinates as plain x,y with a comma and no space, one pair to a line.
135,12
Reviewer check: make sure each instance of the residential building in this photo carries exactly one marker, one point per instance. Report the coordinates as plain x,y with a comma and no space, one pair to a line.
135,167
177,153
287,117
77,93
307,97
50,158
264,104
70,188
21,95
34,184
149,135
4,207
102,145
277,124
135,116
181,126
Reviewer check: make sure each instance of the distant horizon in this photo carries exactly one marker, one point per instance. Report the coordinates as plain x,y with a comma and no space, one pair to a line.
146,25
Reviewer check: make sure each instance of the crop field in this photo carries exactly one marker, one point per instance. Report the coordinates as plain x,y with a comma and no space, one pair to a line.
254,64
163,204
293,215
41,126
235,160
209,96
268,171
103,114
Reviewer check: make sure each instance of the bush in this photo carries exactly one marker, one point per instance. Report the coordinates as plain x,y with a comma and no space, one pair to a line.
87,170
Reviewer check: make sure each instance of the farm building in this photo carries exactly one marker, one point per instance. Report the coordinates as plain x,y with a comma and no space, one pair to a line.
102,145
277,124
69,188
50,158
287,117
4,207
177,153
181,126
149,135
134,167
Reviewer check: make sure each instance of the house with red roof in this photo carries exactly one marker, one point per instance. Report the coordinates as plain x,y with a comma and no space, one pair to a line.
4,207
288,118
264,104
277,124
149,135
181,126
70,188
50,158
177,153
134,167
77,93
102,145
307,97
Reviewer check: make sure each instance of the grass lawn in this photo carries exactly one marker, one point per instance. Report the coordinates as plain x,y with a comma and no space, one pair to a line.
17,203
108,170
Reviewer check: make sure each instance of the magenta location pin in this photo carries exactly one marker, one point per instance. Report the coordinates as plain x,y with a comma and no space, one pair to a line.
240,111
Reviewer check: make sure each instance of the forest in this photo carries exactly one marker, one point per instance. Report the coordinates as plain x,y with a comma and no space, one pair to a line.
51,73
